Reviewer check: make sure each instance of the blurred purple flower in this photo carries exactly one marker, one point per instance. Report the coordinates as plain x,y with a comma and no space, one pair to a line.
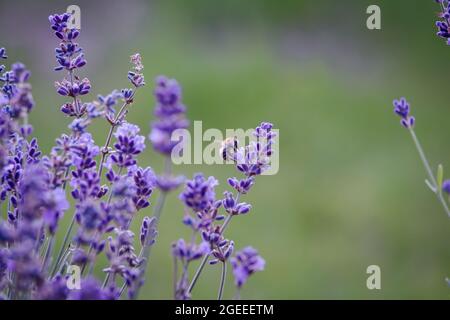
245,263
446,186
189,251
90,289
443,25
170,112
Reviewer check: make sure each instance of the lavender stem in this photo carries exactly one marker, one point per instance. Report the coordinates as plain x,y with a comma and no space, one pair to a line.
158,209
63,246
198,272
69,230
222,280
122,289
48,251
175,276
429,171
237,295
225,223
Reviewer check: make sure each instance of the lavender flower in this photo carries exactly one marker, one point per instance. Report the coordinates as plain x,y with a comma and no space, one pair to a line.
56,206
129,144
148,231
167,182
136,77
222,252
25,263
91,289
121,252
70,57
189,251
145,181
3,53
109,102
446,186
402,109
35,186
199,193
232,207
55,289
199,196
123,260
118,119
85,181
245,263
90,216
443,25
60,160
170,112
16,100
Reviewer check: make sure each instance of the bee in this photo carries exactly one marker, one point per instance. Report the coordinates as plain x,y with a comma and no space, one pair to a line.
228,148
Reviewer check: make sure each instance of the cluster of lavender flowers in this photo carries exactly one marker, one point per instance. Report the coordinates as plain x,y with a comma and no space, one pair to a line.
443,24
108,188
208,241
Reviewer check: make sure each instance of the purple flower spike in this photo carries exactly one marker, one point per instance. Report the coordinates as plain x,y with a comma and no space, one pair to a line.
443,25
145,181
199,194
168,183
402,109
136,77
245,263
148,231
446,186
70,57
90,289
171,113
189,252
68,54
128,145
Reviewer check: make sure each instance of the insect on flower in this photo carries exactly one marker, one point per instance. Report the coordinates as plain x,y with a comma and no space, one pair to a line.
228,148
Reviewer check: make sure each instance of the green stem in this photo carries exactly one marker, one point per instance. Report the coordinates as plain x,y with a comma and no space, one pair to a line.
431,176
122,289
222,280
225,223
175,276
237,295
198,272
63,246
69,230
105,282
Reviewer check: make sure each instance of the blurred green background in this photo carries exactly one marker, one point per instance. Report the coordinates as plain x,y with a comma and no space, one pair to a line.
350,191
